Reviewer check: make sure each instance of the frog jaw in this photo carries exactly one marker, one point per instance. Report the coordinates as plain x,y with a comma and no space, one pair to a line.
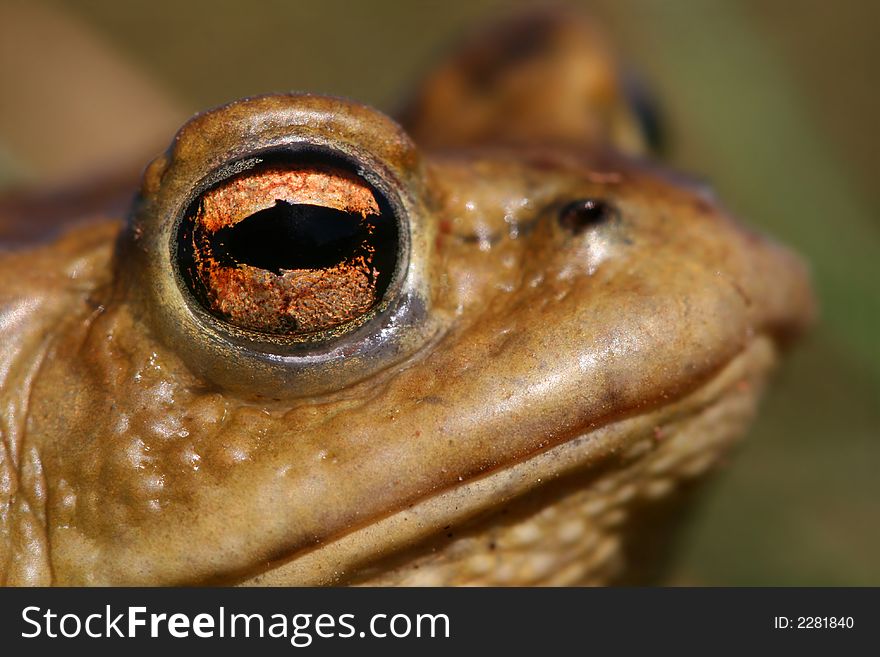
571,514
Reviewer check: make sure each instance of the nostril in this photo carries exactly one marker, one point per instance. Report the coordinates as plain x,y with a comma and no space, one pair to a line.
578,216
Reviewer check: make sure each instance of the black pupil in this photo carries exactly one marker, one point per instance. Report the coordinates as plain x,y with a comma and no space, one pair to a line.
579,215
291,236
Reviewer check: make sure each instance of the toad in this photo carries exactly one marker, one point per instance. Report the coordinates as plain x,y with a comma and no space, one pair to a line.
489,344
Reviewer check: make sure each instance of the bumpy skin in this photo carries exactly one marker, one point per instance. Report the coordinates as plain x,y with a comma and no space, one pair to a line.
524,407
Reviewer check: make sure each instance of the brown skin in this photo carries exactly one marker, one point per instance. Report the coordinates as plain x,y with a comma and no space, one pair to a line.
536,383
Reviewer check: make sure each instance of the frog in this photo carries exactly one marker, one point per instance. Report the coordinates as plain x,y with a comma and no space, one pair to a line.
492,342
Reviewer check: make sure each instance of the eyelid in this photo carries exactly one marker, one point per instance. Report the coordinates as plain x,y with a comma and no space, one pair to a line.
228,141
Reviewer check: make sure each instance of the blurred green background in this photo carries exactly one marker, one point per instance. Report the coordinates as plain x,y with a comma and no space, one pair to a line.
773,102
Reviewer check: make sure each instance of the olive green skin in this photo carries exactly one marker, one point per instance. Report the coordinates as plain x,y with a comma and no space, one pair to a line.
514,365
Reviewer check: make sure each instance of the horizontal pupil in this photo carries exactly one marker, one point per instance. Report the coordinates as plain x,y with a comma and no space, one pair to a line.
291,236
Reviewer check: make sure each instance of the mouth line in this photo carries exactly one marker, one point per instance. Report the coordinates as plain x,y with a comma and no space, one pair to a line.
626,438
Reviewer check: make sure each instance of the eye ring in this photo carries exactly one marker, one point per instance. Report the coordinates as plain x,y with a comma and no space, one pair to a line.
229,141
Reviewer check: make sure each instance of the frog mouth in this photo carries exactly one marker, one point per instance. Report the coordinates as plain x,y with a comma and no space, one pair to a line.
639,459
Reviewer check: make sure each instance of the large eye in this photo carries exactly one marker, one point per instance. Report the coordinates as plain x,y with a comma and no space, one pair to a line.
282,246
295,245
